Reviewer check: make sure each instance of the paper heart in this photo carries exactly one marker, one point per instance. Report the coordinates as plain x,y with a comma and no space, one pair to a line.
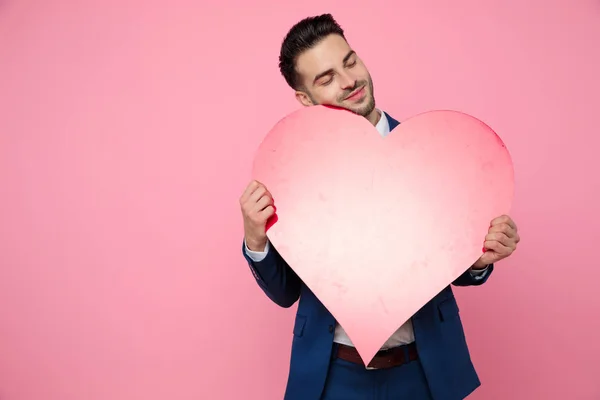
376,226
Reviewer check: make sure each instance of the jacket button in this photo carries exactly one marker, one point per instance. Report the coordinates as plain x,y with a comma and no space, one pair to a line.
330,328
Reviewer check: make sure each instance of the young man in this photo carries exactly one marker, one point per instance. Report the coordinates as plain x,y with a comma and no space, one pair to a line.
427,358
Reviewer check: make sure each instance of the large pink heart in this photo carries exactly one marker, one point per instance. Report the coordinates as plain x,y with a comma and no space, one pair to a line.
375,226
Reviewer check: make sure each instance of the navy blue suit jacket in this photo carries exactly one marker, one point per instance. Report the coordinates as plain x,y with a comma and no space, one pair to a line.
437,326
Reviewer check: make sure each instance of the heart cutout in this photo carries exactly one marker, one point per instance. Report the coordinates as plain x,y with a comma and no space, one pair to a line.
375,226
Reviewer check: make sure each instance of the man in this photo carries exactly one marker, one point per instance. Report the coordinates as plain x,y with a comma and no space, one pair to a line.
427,358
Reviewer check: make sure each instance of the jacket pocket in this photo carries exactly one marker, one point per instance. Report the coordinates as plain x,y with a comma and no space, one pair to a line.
299,325
448,309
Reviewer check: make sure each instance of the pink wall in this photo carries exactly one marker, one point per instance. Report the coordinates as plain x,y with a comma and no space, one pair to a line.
127,131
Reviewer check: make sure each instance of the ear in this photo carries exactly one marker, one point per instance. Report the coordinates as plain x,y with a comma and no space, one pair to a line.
304,99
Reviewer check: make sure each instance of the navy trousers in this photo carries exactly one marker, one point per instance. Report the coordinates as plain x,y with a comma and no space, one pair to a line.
349,381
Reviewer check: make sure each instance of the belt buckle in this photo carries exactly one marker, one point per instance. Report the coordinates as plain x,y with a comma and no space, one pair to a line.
380,352
371,368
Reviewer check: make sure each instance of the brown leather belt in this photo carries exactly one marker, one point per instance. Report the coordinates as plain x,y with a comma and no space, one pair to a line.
388,358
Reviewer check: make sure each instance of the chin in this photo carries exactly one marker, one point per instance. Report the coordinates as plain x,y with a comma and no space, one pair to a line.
366,110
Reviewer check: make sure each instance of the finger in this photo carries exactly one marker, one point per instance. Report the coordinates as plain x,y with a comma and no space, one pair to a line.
488,258
496,247
258,194
503,228
504,219
262,203
252,186
500,237
267,212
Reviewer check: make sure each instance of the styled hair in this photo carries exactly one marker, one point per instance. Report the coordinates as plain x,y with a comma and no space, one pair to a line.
301,37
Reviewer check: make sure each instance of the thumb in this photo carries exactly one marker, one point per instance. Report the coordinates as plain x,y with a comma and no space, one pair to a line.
489,257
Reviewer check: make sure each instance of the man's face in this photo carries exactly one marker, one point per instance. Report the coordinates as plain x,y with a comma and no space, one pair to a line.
332,74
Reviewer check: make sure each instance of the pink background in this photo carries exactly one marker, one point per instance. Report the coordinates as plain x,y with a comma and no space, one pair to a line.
127,136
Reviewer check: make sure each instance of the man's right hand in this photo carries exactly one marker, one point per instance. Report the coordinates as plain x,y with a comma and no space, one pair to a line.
257,207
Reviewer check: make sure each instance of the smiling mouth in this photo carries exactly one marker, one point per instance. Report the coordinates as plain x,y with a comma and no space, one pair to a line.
358,91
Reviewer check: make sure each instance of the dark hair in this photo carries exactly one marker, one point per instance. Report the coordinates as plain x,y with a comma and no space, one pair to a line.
301,37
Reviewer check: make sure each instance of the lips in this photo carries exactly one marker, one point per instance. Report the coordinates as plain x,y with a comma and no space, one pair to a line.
356,94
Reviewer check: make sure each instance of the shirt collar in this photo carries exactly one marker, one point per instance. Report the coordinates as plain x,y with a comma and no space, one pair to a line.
383,125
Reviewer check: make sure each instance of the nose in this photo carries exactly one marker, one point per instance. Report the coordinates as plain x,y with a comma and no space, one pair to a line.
347,81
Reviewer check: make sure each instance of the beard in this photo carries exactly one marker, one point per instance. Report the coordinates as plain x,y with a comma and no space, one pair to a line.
366,106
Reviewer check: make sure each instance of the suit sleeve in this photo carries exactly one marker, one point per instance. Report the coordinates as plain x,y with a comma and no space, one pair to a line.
470,278
274,276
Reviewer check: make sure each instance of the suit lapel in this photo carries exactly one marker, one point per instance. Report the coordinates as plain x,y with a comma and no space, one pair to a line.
392,122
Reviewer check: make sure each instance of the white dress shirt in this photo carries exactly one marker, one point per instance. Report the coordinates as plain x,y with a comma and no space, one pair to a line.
405,333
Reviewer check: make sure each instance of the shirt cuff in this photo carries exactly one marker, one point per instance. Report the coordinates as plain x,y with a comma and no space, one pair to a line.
257,256
479,273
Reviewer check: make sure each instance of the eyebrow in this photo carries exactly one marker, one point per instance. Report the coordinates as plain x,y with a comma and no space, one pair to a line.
330,70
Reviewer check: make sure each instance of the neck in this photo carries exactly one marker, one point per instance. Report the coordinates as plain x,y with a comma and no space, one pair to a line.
374,117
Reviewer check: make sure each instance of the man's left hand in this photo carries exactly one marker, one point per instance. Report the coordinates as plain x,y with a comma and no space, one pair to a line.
500,242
